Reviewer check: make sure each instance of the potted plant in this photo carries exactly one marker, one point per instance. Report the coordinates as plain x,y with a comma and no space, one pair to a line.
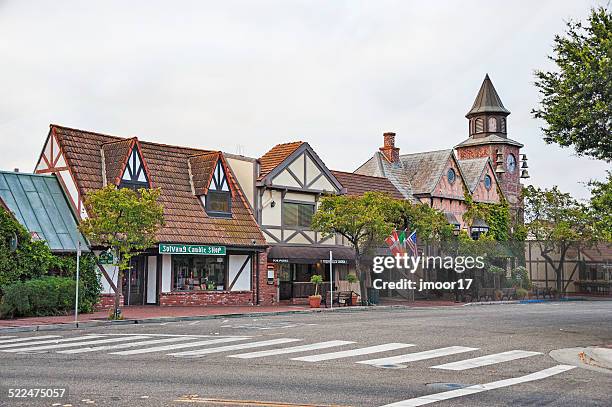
352,279
315,300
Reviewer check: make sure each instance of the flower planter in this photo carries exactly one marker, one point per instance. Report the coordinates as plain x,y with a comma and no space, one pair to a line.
314,301
354,300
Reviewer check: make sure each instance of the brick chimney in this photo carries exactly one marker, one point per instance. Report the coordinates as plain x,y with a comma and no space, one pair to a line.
389,150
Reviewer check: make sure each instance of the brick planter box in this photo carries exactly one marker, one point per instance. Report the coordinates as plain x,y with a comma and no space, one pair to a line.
107,302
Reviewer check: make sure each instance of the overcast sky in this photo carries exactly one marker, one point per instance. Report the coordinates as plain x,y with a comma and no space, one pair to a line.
242,76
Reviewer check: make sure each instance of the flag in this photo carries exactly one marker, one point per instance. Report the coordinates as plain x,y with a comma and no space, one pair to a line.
411,243
394,243
402,239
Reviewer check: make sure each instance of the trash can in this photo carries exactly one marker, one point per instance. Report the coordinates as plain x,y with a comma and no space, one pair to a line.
373,295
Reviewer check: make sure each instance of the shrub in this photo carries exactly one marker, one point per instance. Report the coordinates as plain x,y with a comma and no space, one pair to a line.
40,297
519,277
65,266
521,293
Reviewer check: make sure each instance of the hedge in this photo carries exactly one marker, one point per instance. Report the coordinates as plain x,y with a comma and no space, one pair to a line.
40,297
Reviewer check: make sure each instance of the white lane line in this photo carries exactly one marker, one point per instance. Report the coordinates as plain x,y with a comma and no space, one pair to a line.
293,349
249,345
83,342
479,388
413,357
78,338
31,338
177,346
487,360
126,345
354,352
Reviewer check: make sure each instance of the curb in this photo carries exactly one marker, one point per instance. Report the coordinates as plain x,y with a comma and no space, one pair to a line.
534,301
154,320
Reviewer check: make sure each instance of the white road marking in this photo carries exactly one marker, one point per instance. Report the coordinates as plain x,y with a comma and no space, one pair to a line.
487,360
234,347
413,357
178,346
294,349
84,342
31,338
78,338
126,345
354,352
479,388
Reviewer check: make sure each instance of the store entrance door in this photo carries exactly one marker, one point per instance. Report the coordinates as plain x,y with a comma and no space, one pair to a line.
133,282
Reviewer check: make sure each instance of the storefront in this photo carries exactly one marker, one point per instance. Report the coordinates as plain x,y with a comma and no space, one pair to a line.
295,265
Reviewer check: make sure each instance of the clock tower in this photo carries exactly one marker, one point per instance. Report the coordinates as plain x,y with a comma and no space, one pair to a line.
488,137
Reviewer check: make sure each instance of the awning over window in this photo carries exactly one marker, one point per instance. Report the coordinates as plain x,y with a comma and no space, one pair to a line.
310,255
451,218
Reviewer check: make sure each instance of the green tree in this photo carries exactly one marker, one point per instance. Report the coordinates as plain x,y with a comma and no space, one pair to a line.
124,220
601,205
30,259
576,99
559,223
364,221
430,224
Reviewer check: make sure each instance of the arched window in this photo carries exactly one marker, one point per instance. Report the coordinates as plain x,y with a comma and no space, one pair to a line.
451,176
503,125
488,182
492,124
479,127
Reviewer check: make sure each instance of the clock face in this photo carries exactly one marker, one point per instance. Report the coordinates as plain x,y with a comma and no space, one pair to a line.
511,163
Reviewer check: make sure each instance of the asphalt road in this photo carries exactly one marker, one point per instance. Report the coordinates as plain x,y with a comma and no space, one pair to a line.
145,375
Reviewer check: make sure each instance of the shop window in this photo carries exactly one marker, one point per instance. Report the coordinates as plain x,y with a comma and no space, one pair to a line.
297,215
198,273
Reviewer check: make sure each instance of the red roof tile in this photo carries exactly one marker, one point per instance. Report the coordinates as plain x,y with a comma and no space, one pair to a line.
185,218
202,167
357,184
270,160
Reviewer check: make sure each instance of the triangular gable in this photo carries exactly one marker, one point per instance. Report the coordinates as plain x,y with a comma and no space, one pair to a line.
114,157
135,171
480,193
442,176
209,171
302,169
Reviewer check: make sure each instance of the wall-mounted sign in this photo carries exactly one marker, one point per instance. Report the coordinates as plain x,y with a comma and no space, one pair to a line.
106,258
191,249
335,261
270,275
280,260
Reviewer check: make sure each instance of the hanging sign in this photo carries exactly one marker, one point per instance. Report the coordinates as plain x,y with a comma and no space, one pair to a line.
192,249
106,258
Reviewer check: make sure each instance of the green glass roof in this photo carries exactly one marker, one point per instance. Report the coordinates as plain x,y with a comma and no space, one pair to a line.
40,205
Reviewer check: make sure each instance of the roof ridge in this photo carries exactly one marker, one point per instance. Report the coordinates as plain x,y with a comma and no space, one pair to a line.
356,174
427,152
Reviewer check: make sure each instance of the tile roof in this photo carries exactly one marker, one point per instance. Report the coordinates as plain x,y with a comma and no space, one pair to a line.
186,220
358,184
116,154
425,169
472,170
380,167
201,168
276,155
487,100
490,139
40,205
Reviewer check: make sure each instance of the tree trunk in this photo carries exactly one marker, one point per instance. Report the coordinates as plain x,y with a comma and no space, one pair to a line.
119,290
362,279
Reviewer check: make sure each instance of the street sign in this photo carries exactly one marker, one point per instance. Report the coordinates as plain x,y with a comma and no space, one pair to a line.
192,249
334,261
106,258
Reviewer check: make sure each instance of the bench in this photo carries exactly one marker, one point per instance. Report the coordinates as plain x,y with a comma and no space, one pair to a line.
341,297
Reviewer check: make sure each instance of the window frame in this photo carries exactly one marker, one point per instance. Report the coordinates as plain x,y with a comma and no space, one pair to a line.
488,177
190,258
294,202
448,177
216,213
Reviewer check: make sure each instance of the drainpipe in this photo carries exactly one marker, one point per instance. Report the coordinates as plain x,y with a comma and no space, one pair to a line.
257,279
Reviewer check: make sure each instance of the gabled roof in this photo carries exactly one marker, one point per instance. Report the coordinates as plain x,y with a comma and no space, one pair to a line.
201,168
380,167
40,205
275,156
490,139
425,169
358,184
116,154
487,100
185,217
472,170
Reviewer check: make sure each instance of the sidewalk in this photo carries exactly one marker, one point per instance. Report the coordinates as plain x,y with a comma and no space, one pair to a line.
153,313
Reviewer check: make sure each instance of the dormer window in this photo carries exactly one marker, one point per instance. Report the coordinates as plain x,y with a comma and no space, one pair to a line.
134,175
218,199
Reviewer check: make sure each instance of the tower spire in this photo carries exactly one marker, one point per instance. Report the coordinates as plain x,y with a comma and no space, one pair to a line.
487,101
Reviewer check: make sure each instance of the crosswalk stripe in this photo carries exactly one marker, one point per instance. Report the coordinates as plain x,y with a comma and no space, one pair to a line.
353,352
413,357
479,388
78,338
126,345
177,346
84,342
30,338
487,360
249,345
293,349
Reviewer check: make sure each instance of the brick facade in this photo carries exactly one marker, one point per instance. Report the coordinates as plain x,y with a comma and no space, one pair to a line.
203,298
267,292
107,302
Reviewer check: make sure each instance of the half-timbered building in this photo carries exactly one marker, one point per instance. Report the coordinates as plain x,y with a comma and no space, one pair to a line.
210,250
